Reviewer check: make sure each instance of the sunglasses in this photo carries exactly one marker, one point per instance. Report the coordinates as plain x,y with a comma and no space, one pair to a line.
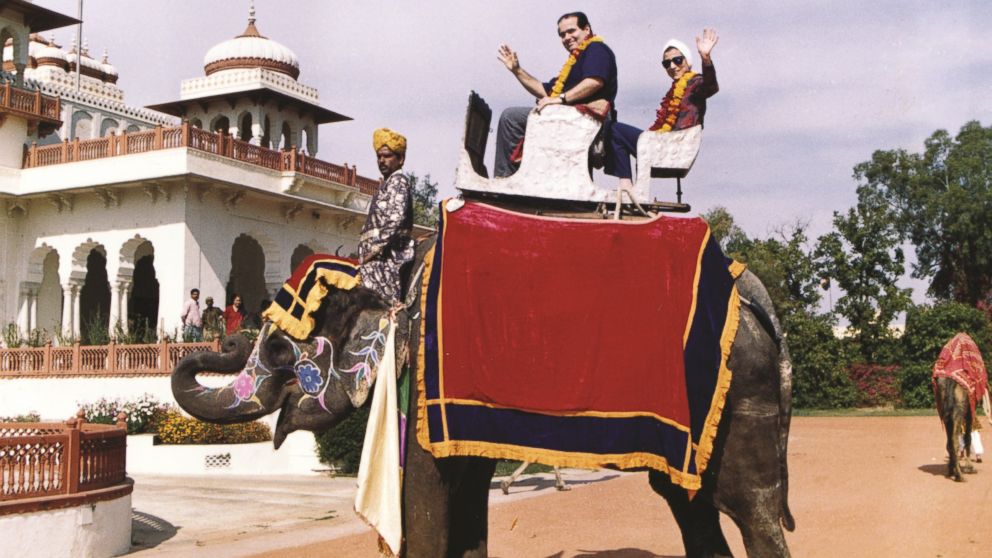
677,60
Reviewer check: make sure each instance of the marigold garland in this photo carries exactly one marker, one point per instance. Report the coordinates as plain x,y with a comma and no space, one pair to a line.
668,112
573,57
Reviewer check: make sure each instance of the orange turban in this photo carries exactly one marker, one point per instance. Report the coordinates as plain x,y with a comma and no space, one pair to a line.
388,138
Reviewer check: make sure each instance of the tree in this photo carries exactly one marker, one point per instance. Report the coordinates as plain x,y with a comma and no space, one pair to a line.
786,267
725,230
941,201
425,208
863,255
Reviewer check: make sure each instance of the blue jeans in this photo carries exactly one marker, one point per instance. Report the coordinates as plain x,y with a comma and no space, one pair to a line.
193,334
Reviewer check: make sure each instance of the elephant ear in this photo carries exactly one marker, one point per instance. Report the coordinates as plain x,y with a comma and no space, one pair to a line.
302,295
363,353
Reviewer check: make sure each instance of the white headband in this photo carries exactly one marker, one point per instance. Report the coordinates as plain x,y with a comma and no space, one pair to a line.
681,48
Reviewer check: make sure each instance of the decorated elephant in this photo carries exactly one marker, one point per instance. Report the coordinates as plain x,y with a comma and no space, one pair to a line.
316,382
959,382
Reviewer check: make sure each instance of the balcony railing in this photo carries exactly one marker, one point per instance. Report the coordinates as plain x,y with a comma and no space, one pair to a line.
30,103
97,360
46,465
201,140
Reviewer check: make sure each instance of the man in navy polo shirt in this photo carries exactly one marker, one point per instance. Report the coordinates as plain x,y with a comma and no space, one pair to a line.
589,74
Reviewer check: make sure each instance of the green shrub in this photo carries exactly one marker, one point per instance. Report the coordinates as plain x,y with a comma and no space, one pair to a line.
506,467
341,446
819,364
176,428
929,328
915,386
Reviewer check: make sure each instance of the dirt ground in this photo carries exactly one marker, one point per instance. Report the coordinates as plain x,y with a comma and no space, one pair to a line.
859,487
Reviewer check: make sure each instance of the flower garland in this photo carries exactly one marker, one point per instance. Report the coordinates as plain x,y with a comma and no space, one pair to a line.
573,57
668,112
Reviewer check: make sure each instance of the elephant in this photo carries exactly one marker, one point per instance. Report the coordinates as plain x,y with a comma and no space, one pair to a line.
445,500
957,418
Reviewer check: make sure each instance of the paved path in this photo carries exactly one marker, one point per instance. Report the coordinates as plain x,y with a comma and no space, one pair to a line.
860,487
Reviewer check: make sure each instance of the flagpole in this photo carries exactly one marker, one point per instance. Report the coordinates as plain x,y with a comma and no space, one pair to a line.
79,47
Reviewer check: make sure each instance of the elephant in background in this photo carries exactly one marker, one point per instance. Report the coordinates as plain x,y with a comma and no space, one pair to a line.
445,501
959,380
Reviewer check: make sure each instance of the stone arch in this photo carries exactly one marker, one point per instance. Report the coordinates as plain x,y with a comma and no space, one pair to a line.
131,128
308,140
244,126
82,125
266,127
109,126
300,253
220,123
43,270
143,295
254,271
19,46
196,123
94,296
287,136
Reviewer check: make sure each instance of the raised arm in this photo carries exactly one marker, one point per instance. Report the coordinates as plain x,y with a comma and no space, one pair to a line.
705,46
508,57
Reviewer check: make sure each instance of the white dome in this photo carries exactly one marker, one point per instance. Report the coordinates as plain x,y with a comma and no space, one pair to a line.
51,51
251,47
251,50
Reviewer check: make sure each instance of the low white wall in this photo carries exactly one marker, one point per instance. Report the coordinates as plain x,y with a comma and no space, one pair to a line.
297,456
57,399
88,531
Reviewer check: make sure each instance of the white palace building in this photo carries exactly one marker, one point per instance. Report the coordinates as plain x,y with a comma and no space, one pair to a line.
112,213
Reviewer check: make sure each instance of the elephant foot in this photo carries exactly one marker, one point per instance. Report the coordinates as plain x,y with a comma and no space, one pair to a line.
505,486
968,469
563,487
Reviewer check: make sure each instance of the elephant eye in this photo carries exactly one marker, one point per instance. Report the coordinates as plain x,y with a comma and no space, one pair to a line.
279,352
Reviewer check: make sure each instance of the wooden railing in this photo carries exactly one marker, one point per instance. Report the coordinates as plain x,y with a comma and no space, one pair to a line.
45,462
30,102
97,360
200,140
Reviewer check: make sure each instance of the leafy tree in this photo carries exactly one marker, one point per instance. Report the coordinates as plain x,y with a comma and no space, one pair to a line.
928,328
786,266
941,201
723,228
425,209
864,256
819,363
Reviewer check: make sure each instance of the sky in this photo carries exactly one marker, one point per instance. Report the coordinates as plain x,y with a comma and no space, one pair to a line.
807,89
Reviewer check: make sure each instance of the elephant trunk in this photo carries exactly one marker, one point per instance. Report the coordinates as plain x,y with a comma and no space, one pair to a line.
223,405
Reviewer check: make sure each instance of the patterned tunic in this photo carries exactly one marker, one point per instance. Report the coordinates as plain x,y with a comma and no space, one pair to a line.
386,243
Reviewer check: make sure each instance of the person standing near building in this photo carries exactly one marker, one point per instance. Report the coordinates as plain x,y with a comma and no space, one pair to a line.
386,245
191,318
234,314
213,321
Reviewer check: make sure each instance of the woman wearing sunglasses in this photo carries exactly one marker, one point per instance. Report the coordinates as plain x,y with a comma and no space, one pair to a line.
683,106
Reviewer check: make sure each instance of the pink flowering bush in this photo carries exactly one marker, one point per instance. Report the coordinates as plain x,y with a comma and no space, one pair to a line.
876,385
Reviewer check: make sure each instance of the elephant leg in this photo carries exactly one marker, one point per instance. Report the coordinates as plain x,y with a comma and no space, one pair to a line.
426,495
469,509
698,519
747,478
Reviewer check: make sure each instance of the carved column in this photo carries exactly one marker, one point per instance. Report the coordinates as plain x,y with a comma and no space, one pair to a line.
76,329
68,303
124,288
24,308
115,305
33,306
